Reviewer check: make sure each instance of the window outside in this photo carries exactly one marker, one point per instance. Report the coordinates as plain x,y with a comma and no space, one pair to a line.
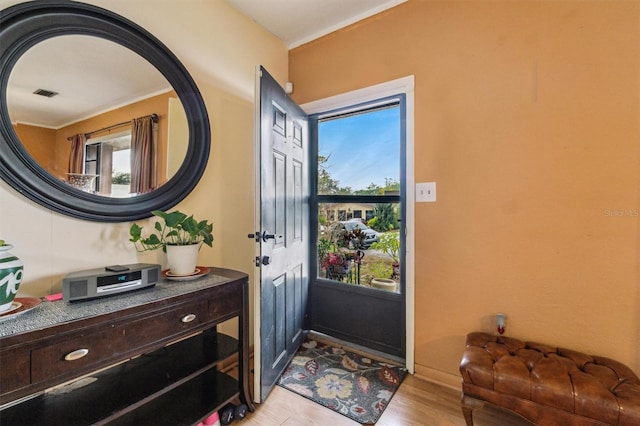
358,198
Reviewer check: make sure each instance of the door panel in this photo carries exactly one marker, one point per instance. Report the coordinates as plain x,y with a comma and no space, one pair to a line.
279,191
279,302
373,323
297,309
284,213
298,221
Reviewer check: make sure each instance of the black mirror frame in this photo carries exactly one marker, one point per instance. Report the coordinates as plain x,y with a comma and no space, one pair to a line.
24,25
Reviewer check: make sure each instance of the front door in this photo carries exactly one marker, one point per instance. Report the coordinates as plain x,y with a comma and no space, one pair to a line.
283,233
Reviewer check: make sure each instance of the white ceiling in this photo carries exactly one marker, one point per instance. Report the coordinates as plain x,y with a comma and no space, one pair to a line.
296,22
107,76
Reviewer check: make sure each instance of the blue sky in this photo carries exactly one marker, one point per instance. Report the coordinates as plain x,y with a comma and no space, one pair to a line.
364,148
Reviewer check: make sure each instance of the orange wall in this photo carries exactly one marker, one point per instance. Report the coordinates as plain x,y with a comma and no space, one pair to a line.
39,142
155,105
527,116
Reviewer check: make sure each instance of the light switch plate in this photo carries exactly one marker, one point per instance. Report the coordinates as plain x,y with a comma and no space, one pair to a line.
426,192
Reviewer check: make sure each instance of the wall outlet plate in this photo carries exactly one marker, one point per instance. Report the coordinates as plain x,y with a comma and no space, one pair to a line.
426,192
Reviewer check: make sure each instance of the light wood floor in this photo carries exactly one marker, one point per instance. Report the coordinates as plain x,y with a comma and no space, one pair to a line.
417,402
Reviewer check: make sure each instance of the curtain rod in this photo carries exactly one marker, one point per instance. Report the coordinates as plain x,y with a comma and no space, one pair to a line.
113,126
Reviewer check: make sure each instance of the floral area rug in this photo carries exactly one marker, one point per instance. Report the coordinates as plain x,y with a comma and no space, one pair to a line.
348,383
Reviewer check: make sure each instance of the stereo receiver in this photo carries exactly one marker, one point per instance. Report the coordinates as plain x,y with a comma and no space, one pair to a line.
115,279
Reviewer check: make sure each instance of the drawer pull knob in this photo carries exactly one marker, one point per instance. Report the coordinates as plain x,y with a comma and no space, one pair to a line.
188,318
77,354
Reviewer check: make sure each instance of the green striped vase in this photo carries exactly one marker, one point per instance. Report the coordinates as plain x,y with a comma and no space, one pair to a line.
10,277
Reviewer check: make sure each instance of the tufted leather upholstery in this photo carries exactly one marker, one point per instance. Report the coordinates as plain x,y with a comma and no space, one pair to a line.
547,385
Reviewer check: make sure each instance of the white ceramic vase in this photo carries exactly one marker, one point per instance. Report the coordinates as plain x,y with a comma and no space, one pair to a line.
10,277
182,259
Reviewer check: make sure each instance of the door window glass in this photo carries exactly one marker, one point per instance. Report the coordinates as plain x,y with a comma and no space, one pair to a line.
359,153
363,253
359,197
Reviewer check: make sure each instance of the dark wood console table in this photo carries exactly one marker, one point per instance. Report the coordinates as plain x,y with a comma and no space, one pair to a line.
145,357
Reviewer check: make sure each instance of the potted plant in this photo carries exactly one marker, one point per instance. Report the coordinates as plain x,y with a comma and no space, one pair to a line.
389,243
10,276
179,235
336,255
336,265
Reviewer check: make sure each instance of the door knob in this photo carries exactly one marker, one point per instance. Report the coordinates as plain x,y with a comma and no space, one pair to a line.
266,236
265,260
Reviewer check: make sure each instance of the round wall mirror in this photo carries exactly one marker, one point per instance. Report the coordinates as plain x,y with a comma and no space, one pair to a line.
73,79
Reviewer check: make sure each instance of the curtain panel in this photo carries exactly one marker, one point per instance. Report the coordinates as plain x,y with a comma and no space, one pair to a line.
144,140
76,156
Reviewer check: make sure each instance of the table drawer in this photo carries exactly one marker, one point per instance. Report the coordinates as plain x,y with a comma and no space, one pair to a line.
114,343
227,302
72,354
14,370
165,326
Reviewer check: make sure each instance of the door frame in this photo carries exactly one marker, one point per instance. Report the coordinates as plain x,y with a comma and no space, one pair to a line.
257,277
404,85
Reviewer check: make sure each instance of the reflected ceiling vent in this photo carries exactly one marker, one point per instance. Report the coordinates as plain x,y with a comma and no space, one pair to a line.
45,93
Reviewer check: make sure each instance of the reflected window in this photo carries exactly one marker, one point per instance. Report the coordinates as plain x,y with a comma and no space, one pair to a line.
109,157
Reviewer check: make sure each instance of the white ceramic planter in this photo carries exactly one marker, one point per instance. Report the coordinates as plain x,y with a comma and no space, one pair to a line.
384,284
10,277
182,260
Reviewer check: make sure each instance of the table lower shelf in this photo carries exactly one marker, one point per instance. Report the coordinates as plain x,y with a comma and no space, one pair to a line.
176,385
185,405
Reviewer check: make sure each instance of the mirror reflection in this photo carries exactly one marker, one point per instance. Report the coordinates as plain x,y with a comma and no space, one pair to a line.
96,115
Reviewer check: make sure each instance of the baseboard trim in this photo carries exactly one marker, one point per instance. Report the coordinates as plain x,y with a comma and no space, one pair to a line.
451,381
231,363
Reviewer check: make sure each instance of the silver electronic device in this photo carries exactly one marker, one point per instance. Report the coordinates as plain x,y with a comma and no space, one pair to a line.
109,280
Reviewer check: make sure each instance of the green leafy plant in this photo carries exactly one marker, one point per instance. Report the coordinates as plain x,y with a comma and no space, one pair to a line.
324,248
386,218
176,228
121,178
380,270
389,243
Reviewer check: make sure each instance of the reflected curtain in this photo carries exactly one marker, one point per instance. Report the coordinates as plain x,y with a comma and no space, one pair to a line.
76,156
144,135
